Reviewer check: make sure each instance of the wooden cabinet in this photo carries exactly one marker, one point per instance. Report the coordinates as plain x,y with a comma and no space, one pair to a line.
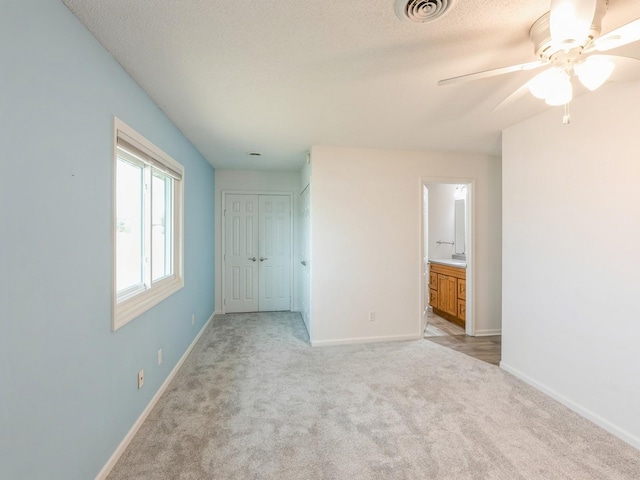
462,310
433,296
447,297
462,288
448,292
433,279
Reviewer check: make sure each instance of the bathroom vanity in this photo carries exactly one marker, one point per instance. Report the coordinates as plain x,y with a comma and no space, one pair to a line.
448,289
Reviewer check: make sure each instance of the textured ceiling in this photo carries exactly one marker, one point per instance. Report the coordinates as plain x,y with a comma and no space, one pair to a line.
279,76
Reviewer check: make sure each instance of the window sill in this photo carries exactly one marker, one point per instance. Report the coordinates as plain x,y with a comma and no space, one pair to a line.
128,309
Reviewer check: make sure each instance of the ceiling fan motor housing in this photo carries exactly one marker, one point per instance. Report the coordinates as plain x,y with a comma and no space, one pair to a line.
540,34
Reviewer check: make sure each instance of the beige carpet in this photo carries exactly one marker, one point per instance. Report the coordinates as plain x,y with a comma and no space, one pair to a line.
255,401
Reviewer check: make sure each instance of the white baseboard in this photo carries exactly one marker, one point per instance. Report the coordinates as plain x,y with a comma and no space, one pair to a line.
489,332
217,312
102,475
619,432
349,341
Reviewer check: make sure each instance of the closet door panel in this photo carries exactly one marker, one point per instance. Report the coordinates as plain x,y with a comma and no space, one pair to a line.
275,253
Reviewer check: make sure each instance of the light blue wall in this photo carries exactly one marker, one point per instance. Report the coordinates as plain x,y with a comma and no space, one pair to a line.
68,392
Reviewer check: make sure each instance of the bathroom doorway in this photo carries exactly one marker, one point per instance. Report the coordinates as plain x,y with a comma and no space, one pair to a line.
448,267
447,257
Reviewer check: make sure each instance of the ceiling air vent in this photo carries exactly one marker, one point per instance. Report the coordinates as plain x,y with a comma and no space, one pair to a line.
422,11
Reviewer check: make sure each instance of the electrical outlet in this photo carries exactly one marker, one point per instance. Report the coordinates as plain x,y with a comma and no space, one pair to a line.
140,379
193,319
372,316
159,356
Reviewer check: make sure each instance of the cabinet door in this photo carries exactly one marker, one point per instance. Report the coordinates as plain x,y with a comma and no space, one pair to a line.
447,294
433,298
452,301
433,280
462,289
462,310
442,292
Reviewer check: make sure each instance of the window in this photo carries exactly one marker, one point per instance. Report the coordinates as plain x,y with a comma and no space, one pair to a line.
148,186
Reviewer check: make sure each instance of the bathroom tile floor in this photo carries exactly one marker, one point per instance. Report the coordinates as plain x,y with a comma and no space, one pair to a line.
450,335
440,327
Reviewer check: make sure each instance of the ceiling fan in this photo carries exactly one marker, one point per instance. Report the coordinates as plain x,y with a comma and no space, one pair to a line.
567,41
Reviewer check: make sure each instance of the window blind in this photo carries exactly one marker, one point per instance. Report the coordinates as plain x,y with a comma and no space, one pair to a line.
145,157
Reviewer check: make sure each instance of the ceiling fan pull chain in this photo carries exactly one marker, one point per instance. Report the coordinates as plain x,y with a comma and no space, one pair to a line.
566,119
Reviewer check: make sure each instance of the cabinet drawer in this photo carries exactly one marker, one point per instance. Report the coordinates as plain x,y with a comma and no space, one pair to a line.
462,289
447,270
462,310
433,280
433,298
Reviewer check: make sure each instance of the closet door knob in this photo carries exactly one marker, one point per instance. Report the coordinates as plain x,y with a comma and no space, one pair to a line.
262,259
253,259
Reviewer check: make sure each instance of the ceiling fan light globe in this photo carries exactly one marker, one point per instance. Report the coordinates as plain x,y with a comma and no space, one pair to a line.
561,94
543,84
540,94
571,20
594,71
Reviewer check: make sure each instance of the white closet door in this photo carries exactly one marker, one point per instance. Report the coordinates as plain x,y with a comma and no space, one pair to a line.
275,253
241,253
305,250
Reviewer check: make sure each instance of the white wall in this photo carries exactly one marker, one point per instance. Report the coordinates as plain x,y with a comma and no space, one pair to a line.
254,181
305,174
366,254
571,226
441,219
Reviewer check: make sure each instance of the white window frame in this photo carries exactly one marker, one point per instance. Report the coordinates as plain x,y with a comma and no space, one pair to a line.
133,302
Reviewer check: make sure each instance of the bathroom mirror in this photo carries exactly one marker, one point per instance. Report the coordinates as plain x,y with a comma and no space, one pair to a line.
459,248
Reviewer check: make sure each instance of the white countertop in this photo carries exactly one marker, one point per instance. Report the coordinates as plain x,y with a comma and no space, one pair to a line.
450,262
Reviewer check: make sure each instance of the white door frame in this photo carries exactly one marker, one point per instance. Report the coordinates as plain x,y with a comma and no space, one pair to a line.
470,322
224,230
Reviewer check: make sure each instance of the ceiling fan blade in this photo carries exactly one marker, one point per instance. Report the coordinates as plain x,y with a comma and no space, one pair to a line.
628,33
511,99
570,20
627,69
494,72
